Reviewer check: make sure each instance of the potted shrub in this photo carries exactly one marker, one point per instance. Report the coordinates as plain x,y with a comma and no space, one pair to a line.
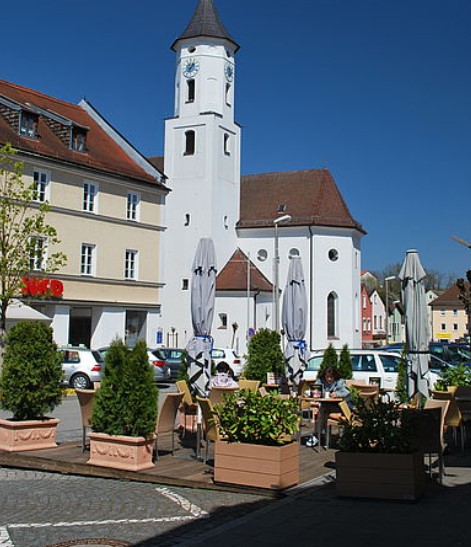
125,410
258,449
376,459
264,356
453,377
30,387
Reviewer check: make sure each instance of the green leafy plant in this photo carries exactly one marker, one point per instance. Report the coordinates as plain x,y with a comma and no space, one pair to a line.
30,385
264,355
247,417
376,427
401,382
459,375
329,360
345,363
126,403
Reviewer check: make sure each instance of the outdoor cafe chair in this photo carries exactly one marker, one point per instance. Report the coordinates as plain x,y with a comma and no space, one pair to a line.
210,424
335,419
189,407
166,419
252,385
217,394
453,417
85,398
440,446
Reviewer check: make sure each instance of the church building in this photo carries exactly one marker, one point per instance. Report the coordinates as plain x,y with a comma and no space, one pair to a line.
257,222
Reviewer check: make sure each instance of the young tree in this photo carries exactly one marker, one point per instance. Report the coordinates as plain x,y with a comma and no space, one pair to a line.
24,234
345,363
329,359
264,355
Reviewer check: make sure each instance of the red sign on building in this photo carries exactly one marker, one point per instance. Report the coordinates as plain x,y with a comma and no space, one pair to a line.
34,286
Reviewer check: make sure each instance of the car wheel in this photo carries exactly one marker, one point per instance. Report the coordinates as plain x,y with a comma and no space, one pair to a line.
80,381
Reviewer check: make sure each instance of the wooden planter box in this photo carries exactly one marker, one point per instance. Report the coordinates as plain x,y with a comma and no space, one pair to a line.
28,435
272,467
380,476
121,452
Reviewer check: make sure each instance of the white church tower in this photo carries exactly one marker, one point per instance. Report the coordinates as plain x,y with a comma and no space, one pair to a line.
202,162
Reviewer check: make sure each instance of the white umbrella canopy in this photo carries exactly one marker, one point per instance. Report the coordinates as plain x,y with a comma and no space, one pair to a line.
294,321
203,292
413,277
18,311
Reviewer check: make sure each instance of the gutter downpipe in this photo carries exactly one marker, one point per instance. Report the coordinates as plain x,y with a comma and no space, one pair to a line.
311,269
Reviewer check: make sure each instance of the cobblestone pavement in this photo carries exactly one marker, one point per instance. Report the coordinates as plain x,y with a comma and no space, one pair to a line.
41,509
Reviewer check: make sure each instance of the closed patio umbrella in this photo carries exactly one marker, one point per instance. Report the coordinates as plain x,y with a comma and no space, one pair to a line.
413,277
203,290
294,321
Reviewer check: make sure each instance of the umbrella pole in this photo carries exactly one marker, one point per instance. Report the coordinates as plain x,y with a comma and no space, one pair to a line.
198,433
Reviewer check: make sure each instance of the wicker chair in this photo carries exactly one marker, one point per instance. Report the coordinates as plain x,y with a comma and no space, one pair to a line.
210,425
85,398
189,407
166,419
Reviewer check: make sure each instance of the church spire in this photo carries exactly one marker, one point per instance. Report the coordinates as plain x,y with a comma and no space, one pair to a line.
206,22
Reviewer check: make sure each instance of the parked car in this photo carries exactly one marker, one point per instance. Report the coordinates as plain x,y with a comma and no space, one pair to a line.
81,366
161,370
452,353
229,356
173,358
375,366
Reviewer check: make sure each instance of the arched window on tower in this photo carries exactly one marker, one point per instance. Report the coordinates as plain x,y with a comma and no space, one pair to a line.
191,91
189,143
226,144
228,94
332,305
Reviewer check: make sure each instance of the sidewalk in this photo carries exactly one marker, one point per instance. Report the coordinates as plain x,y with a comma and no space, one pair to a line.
315,516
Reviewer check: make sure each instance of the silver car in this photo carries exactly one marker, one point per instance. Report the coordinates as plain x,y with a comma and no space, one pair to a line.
81,367
160,368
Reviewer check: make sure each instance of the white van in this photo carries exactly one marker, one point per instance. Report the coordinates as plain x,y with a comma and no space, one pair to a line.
373,366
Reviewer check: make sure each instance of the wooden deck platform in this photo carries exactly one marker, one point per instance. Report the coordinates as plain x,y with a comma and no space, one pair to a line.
182,469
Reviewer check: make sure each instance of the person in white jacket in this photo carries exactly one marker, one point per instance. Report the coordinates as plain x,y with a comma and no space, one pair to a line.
223,377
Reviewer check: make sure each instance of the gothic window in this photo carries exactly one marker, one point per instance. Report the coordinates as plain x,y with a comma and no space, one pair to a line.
332,304
228,94
226,144
189,143
187,219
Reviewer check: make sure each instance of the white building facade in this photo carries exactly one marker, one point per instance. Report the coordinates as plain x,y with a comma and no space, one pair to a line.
209,198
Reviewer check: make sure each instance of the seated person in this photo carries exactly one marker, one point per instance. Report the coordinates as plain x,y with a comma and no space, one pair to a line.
223,377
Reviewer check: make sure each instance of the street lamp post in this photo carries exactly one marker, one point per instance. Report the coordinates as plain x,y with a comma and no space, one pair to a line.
390,278
276,268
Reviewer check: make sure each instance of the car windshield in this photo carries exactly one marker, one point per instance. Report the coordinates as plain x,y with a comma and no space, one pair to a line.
314,363
460,354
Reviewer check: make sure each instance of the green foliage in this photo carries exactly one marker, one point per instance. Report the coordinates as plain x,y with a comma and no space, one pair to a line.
30,385
376,427
126,403
20,227
264,355
401,382
459,375
247,417
345,364
329,360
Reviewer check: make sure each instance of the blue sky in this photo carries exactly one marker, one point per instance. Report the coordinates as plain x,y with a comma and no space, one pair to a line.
377,91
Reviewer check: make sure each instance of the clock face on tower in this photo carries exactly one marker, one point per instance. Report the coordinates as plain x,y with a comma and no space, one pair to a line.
229,72
190,68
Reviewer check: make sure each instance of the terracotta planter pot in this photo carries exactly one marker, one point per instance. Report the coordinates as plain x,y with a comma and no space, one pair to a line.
121,452
380,476
28,435
272,467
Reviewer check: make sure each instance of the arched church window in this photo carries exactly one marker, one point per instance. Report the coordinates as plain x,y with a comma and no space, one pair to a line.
189,143
191,91
187,219
332,305
228,94
293,252
226,144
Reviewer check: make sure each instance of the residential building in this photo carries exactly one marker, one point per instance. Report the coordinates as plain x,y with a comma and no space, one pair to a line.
366,318
106,204
209,198
449,319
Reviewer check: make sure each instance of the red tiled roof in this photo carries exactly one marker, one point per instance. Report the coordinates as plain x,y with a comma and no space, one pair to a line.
233,277
449,297
310,197
103,153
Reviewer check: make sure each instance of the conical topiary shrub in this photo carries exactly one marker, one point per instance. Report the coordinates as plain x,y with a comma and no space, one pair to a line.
126,403
30,384
264,355
345,364
329,360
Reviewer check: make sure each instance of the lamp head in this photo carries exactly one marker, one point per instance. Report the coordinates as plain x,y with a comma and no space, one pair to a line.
284,218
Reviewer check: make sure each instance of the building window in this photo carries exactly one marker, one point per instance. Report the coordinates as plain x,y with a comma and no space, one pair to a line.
28,124
443,326
40,186
37,246
455,313
375,322
293,253
132,208
364,325
78,139
189,143
262,255
442,313
226,144
90,192
191,91
332,303
333,255
369,325
455,326
228,94
87,259
130,265
222,321
185,284
364,302
187,219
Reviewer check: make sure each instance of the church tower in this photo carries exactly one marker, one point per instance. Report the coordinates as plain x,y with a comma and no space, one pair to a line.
202,161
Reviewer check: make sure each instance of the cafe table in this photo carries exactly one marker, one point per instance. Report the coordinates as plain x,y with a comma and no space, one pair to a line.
327,405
